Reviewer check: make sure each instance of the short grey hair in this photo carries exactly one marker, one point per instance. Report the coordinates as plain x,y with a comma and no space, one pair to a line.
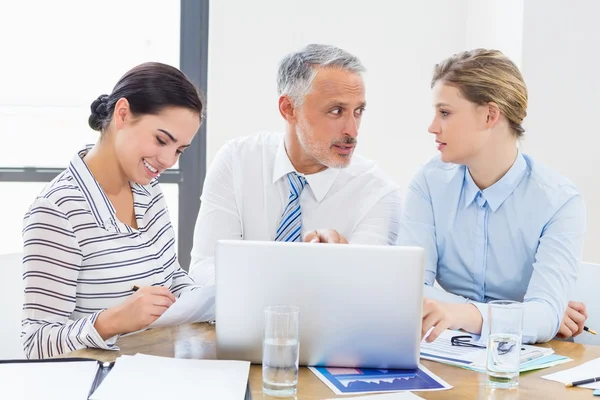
298,70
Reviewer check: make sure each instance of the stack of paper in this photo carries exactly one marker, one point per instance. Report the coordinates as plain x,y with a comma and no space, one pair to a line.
150,377
473,358
588,370
363,380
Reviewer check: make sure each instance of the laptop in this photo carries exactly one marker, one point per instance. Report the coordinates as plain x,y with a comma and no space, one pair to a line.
360,306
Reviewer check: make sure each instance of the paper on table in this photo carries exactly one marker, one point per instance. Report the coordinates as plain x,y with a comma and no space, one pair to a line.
586,370
132,378
387,396
193,306
474,358
369,380
545,362
47,380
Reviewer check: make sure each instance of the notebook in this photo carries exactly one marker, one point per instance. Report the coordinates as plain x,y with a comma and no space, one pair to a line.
55,378
152,377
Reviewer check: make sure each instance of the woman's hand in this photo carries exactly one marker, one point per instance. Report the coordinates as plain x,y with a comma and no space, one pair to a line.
140,309
573,320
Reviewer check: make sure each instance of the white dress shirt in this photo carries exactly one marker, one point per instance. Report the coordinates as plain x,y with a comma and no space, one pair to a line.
79,259
246,191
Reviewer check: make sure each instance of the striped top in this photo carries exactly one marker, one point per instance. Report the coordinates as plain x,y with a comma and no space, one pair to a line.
79,259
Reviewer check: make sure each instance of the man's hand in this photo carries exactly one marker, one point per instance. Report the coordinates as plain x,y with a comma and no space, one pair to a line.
437,316
325,236
441,316
573,320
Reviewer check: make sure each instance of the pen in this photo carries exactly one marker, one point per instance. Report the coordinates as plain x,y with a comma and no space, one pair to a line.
135,288
583,382
531,356
593,332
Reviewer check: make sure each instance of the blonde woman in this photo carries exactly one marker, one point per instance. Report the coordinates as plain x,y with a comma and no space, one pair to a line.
495,223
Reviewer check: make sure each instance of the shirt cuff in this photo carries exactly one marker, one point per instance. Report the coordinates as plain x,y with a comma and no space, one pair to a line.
94,338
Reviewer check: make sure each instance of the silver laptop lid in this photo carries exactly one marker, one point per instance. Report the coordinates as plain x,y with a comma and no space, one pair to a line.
360,306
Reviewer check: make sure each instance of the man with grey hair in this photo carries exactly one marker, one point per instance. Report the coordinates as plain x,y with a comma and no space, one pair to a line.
304,184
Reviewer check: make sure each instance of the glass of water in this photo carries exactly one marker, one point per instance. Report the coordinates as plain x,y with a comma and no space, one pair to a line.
505,320
280,351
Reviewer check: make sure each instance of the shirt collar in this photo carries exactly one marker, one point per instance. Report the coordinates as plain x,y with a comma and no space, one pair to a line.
102,210
496,194
319,183
100,206
471,189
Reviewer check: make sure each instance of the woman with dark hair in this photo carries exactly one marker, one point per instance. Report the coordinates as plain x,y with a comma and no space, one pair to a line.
102,226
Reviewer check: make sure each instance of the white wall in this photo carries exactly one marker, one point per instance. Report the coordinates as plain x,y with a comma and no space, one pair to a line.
496,24
561,58
398,42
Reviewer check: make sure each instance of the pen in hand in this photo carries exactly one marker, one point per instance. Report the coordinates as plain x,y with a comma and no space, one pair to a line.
135,288
593,332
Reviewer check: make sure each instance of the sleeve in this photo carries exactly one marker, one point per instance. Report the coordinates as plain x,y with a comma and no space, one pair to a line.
218,217
381,223
554,273
417,227
51,263
181,282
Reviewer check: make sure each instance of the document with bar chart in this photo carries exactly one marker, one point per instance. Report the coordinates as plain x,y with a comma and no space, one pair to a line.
362,380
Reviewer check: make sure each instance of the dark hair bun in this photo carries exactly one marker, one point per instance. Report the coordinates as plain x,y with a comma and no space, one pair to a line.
149,88
99,113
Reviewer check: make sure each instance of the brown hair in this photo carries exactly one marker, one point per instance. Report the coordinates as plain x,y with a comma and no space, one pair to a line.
484,76
149,88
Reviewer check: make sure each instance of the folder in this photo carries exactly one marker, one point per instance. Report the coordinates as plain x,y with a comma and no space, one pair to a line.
100,372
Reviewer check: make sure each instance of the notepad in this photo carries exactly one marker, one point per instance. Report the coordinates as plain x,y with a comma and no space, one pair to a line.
442,350
193,306
47,380
586,370
152,377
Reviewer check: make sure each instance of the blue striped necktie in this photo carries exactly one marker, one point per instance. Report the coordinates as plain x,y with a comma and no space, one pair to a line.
290,224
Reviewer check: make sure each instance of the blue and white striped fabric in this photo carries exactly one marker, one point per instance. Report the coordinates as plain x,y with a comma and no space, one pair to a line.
79,259
290,224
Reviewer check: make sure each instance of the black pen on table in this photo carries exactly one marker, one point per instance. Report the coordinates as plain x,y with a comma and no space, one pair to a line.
593,332
583,382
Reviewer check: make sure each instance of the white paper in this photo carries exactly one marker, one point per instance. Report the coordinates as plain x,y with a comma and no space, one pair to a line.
152,377
442,350
386,396
193,306
590,369
47,380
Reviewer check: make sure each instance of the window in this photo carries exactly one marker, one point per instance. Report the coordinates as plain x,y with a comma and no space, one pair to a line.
59,65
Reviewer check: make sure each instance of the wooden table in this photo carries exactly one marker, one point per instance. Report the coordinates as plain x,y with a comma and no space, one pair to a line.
198,341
